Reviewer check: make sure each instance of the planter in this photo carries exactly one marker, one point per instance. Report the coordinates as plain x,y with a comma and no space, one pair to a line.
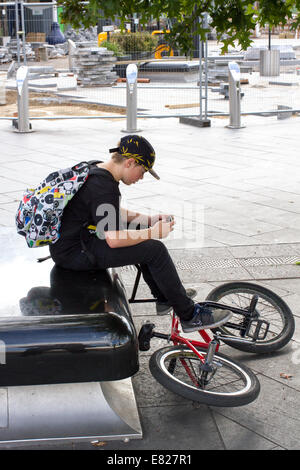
141,55
124,57
120,69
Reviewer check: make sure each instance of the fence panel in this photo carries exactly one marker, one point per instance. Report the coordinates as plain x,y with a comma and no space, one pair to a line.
89,82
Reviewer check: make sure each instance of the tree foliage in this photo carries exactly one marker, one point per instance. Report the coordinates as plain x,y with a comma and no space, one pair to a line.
234,18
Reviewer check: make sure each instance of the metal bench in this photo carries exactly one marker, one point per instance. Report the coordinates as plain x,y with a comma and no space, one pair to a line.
68,350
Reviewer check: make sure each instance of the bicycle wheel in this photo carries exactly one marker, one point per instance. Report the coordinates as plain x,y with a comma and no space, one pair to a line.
270,308
230,384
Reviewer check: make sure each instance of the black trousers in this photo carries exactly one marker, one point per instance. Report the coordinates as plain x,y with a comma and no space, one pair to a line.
157,267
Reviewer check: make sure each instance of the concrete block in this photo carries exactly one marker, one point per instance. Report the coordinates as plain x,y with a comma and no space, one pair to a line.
195,121
286,115
66,83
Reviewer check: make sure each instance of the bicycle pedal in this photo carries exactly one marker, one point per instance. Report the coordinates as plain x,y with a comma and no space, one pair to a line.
145,336
257,329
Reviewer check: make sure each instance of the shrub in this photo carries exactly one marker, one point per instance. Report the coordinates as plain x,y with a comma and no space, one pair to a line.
113,46
135,42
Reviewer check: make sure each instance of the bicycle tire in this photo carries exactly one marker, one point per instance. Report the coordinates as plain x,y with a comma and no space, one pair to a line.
279,334
215,394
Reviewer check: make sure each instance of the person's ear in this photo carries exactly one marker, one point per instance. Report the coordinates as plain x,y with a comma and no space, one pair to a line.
125,163
130,162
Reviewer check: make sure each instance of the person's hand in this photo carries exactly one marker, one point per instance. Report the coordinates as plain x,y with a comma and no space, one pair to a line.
164,217
162,229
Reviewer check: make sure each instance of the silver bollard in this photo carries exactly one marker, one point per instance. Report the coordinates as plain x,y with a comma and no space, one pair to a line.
22,124
234,96
131,99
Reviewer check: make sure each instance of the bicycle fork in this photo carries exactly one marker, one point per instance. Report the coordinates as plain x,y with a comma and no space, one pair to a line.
207,369
208,365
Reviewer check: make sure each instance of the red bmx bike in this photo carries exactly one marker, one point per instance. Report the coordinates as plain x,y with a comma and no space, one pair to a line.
261,323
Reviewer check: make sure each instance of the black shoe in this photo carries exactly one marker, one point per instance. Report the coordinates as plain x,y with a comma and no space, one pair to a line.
162,308
205,317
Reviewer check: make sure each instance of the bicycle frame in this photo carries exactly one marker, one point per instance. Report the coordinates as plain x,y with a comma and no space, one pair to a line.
191,343
175,336
249,316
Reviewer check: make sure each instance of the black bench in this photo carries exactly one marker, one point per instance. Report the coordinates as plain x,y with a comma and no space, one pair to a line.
62,330
77,330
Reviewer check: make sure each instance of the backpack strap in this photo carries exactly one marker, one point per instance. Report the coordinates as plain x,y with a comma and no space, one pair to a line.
91,257
40,260
92,166
93,162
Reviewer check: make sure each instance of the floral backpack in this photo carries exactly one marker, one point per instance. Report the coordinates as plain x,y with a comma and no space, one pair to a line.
38,217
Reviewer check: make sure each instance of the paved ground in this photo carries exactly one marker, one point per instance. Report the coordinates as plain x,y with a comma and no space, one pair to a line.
235,194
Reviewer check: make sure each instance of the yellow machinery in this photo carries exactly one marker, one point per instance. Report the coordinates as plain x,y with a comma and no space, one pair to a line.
163,49
101,38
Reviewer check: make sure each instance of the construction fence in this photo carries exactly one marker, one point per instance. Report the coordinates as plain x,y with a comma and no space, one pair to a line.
82,73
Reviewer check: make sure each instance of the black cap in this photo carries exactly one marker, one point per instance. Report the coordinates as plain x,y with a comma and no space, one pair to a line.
138,148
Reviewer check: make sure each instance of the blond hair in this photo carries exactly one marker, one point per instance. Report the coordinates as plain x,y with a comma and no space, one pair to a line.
118,157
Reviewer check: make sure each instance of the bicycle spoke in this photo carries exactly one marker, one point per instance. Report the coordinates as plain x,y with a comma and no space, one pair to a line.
266,311
272,317
225,383
225,380
194,376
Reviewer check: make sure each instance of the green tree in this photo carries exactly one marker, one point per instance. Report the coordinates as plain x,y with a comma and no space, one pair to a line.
235,18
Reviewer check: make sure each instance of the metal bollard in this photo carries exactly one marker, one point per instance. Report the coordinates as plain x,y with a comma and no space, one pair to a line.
131,99
22,124
234,96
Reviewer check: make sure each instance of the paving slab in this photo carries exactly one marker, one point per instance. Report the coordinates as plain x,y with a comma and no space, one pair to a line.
274,415
285,362
228,237
256,251
285,235
195,430
237,437
269,272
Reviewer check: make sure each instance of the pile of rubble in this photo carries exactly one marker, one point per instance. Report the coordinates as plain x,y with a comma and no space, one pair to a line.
58,50
12,46
82,34
217,67
10,51
93,65
5,55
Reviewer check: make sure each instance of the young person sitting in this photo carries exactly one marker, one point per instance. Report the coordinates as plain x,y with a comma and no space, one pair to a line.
118,242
